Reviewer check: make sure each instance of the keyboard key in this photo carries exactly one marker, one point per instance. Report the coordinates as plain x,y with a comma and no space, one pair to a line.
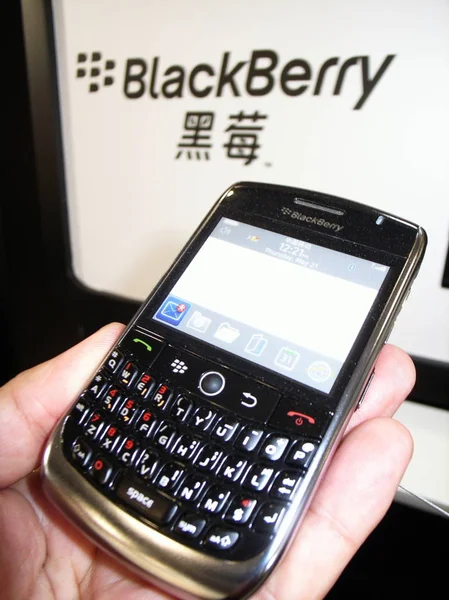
302,453
181,408
94,425
97,385
202,419
208,458
249,439
169,476
215,500
269,518
240,510
225,429
258,477
81,452
147,501
114,361
127,450
165,435
111,399
145,423
285,485
127,411
144,385
146,464
190,525
161,397
109,437
101,470
81,410
221,538
274,447
186,447
232,468
192,488
128,374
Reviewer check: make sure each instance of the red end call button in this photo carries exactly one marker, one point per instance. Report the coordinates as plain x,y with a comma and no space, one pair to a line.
301,417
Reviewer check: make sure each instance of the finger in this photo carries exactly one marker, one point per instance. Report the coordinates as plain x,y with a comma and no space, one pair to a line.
22,550
32,402
353,497
394,378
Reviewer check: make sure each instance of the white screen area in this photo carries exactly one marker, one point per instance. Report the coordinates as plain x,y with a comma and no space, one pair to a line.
313,309
288,305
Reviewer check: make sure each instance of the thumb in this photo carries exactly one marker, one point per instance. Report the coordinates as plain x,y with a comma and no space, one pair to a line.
32,402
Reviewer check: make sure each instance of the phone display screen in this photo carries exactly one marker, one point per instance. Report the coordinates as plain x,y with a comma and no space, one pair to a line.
288,305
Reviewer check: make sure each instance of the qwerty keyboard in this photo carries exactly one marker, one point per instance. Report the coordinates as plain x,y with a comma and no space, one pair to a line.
203,454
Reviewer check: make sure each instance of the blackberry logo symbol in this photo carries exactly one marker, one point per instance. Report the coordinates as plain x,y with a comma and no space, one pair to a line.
179,366
95,70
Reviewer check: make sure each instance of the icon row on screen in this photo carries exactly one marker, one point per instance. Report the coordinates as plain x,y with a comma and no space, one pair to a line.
173,310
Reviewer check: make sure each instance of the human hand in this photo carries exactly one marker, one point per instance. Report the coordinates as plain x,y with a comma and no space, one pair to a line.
42,556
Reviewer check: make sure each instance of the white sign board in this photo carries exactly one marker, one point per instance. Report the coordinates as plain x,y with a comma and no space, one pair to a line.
166,104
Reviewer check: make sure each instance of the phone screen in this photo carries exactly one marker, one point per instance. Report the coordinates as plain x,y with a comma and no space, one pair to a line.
288,305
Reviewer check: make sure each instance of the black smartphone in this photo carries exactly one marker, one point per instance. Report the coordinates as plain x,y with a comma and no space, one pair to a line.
197,446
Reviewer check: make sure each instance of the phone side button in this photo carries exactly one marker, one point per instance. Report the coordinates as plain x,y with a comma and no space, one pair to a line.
365,389
147,502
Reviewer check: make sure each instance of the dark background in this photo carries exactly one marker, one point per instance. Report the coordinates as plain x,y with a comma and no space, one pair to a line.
43,310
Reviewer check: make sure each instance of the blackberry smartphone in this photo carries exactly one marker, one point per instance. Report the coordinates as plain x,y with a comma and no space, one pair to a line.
196,448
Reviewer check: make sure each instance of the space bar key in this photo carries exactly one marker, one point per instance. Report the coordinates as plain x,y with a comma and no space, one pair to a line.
146,501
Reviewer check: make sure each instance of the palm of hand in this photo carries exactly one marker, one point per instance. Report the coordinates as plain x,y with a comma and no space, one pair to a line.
45,557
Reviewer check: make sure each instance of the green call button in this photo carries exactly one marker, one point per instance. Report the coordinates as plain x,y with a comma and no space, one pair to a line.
143,346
